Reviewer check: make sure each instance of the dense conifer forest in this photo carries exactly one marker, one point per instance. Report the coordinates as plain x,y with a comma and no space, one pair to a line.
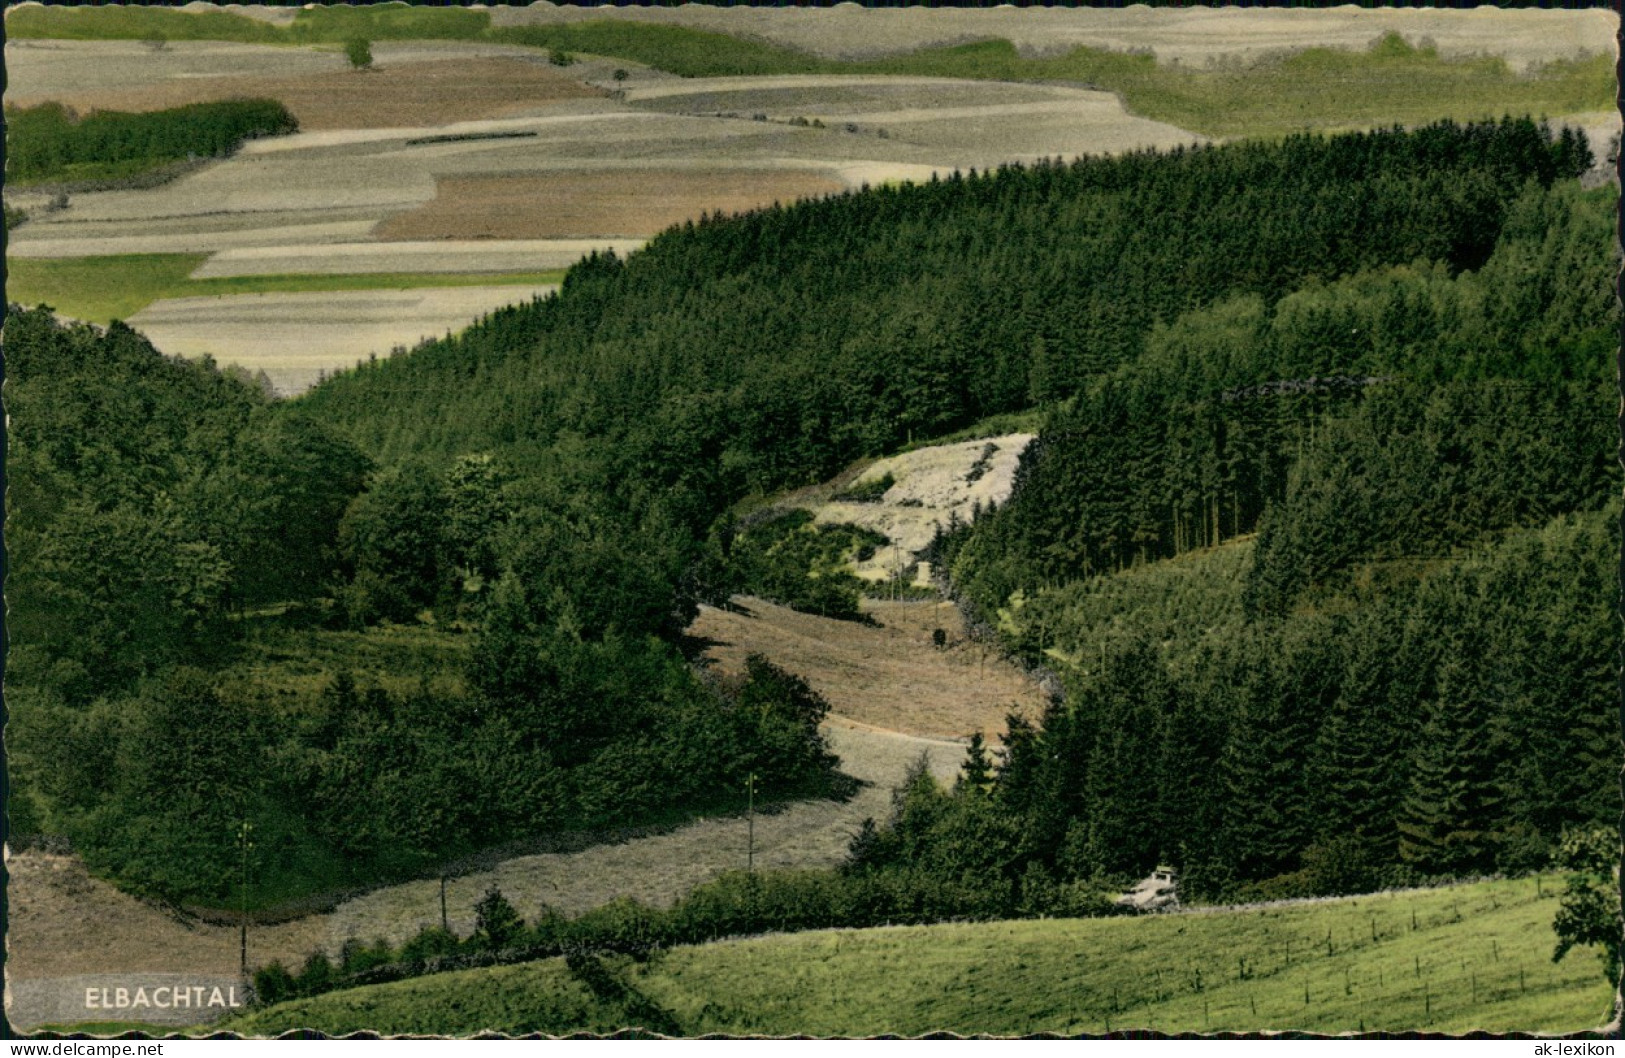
1316,534
50,144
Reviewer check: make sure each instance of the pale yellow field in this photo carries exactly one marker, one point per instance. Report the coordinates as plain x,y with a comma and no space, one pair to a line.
293,338
397,94
449,256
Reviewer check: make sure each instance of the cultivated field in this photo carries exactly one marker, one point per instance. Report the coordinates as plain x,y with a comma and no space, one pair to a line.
402,90
480,158
573,205
294,338
1192,36
476,143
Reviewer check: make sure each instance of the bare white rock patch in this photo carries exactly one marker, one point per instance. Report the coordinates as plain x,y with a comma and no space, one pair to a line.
932,487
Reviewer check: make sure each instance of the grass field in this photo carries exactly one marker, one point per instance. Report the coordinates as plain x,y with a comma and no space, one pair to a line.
1318,88
101,289
1473,957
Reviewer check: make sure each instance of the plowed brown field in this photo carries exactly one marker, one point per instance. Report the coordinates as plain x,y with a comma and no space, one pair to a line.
631,202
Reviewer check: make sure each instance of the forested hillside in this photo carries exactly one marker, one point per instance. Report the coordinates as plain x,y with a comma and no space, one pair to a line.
771,349
1408,674
170,530
1385,354
1370,350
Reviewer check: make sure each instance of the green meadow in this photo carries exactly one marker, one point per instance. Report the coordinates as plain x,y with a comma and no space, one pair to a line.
1453,960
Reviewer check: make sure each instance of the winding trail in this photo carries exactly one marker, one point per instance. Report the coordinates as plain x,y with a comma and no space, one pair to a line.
69,931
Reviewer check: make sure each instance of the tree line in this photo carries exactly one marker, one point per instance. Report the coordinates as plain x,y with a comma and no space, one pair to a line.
50,143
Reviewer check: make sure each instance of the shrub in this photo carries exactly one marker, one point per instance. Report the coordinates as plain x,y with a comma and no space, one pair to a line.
871,491
496,923
316,976
359,51
430,942
560,57
273,984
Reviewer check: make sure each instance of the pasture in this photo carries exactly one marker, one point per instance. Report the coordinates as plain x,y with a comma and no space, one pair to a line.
1473,957
1189,36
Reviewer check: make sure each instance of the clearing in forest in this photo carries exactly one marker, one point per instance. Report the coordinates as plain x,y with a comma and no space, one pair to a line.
888,674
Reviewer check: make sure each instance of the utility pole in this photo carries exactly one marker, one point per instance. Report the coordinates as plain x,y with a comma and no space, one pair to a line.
445,926
750,824
244,843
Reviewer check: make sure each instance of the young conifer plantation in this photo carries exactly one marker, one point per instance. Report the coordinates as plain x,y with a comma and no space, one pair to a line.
1318,537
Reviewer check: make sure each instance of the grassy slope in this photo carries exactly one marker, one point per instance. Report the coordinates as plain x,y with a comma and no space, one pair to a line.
1316,88
100,289
1478,957
282,660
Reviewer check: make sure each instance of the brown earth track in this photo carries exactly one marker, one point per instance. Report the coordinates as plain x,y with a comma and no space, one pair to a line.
396,95
887,675
883,679
631,202
63,922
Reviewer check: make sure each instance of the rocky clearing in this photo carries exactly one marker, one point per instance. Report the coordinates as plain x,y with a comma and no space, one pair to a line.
931,487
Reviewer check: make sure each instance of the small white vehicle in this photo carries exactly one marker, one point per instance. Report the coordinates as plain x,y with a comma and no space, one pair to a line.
1157,891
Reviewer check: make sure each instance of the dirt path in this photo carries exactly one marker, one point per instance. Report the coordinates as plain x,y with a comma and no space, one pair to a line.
69,931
